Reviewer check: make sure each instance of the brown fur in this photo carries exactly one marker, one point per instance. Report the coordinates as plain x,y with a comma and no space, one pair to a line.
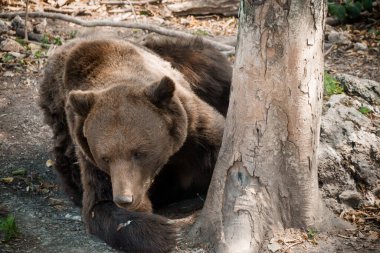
145,134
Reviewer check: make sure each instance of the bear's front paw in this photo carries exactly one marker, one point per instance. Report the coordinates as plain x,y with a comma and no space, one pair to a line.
131,231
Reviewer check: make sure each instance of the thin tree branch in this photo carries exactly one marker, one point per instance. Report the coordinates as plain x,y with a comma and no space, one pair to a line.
292,245
133,11
133,2
26,20
149,27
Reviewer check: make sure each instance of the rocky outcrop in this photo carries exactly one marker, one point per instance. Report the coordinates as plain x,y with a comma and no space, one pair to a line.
349,152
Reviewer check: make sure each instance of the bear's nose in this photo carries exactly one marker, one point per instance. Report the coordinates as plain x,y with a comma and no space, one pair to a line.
123,200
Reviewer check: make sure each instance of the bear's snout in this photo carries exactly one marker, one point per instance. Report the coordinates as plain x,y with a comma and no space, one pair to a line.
123,201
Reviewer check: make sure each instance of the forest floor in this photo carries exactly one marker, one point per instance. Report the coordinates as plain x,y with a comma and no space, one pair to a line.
46,220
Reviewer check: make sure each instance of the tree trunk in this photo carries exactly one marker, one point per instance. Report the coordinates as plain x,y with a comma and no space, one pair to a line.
202,7
266,175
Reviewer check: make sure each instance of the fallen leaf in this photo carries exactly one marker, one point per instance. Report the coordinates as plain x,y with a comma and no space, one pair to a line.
373,235
49,163
7,180
19,172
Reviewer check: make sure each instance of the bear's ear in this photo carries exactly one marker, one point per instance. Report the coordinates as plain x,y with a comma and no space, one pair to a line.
81,101
160,93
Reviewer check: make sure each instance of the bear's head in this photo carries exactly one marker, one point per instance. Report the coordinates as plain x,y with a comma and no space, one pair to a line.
129,135
129,131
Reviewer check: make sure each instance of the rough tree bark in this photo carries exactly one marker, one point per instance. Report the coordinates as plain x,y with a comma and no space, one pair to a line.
265,178
202,7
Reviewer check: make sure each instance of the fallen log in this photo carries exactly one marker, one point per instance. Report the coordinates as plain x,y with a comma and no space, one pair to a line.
205,7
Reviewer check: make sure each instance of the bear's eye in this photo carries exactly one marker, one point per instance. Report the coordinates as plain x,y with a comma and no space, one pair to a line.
106,159
137,155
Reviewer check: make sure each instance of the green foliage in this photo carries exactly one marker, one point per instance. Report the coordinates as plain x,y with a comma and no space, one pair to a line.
145,13
38,54
353,10
365,110
200,32
45,39
374,31
332,86
337,10
57,41
7,58
8,227
367,5
348,9
21,41
73,34
311,233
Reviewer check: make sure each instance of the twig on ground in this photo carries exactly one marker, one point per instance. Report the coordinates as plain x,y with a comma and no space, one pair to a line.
328,50
149,27
134,2
64,11
343,236
292,245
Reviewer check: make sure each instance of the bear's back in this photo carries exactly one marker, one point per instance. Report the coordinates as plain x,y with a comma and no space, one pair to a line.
208,71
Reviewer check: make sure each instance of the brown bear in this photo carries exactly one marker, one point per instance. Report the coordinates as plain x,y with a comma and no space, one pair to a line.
144,122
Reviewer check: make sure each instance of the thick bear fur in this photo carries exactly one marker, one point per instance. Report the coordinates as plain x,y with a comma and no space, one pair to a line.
144,123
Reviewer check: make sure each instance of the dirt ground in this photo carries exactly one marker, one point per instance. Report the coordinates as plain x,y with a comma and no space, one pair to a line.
46,219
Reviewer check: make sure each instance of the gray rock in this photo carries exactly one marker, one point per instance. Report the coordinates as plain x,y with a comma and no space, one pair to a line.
8,74
10,45
3,27
339,38
350,198
40,28
17,55
333,205
274,247
376,191
17,23
349,150
364,88
360,46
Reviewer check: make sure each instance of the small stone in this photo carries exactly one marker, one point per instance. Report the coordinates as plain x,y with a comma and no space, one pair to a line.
8,74
274,247
3,27
376,191
60,3
184,21
339,38
370,199
360,46
10,45
17,23
4,102
41,27
17,55
373,236
49,163
350,198
76,218
73,217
